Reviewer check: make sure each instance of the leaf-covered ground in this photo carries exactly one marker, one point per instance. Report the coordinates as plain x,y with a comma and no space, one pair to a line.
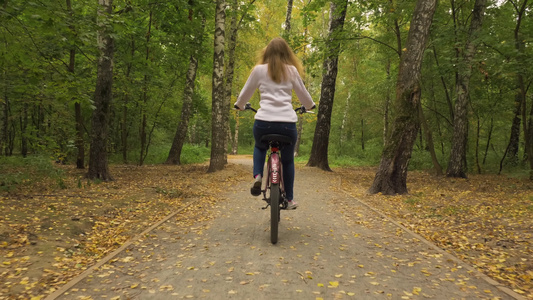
485,220
49,235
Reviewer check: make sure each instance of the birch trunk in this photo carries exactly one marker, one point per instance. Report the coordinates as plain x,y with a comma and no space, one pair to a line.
218,128
235,146
230,68
287,24
174,155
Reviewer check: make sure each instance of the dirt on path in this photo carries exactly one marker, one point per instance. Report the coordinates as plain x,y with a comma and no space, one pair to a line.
325,251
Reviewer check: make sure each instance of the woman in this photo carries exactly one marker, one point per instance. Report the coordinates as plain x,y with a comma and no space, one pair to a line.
277,74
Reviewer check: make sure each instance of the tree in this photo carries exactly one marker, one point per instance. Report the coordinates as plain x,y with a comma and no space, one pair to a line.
218,126
429,141
80,142
457,162
287,24
391,177
319,150
174,155
103,95
521,90
144,117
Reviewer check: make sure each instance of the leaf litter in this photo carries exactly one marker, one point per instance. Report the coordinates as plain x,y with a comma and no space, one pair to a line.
485,220
48,236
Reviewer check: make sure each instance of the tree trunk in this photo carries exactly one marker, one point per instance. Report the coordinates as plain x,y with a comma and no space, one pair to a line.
4,135
391,177
386,107
103,96
80,143
218,128
529,139
429,141
444,86
457,162
144,117
397,31
478,137
521,89
287,24
235,146
514,138
300,120
488,140
229,71
319,150
343,135
124,130
23,127
174,156
362,133
181,133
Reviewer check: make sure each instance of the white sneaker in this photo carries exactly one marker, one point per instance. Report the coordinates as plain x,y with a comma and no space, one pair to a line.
292,204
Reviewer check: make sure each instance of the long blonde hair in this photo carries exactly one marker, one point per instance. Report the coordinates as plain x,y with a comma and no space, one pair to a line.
277,55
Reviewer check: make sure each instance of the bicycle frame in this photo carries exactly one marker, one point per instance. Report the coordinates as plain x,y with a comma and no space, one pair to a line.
274,174
276,199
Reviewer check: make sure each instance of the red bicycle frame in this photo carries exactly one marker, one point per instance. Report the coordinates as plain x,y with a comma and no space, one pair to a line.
275,166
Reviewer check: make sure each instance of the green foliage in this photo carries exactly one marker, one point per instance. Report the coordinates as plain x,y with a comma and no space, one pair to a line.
20,172
352,154
39,90
194,154
190,154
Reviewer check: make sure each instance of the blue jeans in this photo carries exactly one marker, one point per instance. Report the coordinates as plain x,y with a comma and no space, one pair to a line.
287,152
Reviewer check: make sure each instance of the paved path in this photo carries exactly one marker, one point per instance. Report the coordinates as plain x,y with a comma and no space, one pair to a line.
332,247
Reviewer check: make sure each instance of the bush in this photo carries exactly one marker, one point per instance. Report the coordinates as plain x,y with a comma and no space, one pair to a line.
19,172
190,154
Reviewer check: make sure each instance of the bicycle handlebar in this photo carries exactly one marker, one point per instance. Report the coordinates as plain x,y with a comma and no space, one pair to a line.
304,110
300,109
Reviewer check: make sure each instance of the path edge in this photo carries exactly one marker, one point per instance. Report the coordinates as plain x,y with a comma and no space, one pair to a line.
448,255
111,255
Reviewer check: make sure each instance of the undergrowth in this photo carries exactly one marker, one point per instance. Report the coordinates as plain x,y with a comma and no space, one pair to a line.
18,172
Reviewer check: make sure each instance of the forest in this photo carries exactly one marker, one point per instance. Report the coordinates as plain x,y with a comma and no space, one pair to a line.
116,113
151,82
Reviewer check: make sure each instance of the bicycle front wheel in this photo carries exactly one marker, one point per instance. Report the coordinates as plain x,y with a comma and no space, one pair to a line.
275,195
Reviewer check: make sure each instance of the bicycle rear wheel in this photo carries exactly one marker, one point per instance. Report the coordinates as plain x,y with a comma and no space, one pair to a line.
275,195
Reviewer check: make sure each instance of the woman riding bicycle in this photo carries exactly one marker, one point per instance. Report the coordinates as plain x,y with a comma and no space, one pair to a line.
276,75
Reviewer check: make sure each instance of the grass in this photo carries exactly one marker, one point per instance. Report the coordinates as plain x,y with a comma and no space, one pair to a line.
190,154
41,172
38,170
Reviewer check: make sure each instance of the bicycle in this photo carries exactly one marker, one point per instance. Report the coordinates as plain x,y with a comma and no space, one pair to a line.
274,187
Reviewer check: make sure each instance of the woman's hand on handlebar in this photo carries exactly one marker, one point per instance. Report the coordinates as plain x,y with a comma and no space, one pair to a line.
303,110
248,106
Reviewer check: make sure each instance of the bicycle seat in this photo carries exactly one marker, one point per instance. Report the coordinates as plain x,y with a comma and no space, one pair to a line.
282,139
